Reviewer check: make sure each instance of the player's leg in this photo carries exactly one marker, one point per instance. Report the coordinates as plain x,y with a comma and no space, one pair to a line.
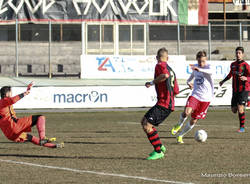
239,103
183,117
248,101
242,100
188,127
39,121
187,111
152,135
35,140
190,106
152,118
234,103
23,126
241,115
153,138
24,137
234,109
199,112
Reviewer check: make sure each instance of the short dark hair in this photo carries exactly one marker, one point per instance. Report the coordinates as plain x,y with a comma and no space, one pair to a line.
160,52
4,90
239,48
200,54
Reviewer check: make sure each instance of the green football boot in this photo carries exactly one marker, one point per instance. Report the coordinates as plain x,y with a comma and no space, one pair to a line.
163,149
156,156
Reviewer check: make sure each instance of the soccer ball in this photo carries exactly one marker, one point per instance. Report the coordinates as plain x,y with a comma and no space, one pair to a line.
200,135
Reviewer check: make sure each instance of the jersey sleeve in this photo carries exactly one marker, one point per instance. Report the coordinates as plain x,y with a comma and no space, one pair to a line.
190,77
207,70
176,87
11,100
229,75
248,72
161,69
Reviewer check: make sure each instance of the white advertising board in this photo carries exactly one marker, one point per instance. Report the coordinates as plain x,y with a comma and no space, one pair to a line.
105,97
122,67
141,67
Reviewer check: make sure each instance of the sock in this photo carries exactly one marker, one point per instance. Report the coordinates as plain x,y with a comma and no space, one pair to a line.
41,127
182,120
36,141
154,139
242,119
186,129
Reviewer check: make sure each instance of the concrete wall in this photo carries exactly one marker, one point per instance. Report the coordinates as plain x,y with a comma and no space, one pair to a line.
68,53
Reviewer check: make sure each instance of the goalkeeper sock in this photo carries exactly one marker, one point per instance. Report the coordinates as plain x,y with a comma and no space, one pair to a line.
186,129
41,127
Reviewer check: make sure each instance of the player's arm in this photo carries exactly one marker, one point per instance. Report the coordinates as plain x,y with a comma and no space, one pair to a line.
189,83
163,75
227,77
160,78
247,77
207,69
248,73
12,100
176,87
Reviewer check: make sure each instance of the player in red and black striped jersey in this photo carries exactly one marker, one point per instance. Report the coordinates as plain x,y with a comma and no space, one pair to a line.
166,88
240,72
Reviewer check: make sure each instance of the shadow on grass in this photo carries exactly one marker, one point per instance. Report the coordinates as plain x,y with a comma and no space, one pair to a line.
216,138
67,157
94,132
108,136
229,138
104,143
167,137
164,131
8,142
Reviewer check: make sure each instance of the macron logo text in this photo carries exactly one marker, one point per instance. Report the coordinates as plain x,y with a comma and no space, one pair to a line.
93,96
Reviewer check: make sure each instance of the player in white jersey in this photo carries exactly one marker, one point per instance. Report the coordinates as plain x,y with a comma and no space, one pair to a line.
202,94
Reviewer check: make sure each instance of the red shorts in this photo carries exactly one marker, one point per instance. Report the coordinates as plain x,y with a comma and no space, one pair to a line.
199,108
23,125
22,138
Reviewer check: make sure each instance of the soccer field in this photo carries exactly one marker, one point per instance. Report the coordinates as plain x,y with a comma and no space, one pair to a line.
110,148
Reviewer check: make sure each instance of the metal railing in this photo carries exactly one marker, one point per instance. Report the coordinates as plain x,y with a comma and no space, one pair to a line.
55,48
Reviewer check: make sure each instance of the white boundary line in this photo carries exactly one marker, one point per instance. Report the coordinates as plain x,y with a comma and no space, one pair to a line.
165,124
92,172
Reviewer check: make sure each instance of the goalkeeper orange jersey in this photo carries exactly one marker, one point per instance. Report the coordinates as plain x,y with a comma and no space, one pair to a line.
11,126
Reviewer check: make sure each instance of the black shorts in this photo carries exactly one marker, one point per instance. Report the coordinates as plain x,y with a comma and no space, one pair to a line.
34,119
240,98
157,114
